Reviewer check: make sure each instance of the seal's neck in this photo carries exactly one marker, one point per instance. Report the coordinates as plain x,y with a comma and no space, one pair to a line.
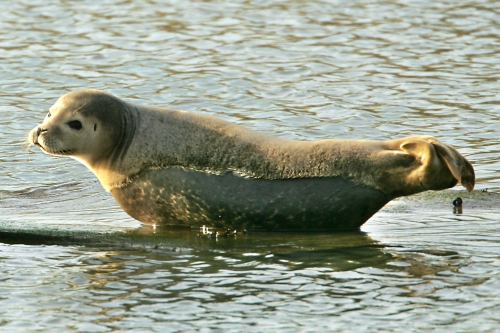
108,168
108,176
127,127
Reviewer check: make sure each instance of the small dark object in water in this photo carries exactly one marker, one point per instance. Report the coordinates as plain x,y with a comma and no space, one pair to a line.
457,202
484,190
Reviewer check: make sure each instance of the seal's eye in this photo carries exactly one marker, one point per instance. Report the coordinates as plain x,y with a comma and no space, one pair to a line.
75,124
48,115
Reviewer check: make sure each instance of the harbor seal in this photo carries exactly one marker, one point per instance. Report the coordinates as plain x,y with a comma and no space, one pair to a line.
178,168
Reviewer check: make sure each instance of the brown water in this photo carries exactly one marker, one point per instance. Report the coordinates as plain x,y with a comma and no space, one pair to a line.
296,69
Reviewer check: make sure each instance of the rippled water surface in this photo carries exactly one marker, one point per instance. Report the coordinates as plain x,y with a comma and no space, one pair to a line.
295,69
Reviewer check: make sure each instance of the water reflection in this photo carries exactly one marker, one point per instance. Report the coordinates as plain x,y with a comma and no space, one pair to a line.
262,281
339,251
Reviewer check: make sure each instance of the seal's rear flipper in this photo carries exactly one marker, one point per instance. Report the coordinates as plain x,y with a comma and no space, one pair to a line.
434,156
459,167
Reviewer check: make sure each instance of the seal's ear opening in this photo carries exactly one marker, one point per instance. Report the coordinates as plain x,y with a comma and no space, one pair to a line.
459,167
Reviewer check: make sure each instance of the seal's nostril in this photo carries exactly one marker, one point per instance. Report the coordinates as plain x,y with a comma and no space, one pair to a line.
40,130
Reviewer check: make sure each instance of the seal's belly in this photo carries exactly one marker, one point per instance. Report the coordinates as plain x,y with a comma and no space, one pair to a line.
181,197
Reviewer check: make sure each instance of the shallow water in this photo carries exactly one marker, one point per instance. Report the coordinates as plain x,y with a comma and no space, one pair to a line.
296,69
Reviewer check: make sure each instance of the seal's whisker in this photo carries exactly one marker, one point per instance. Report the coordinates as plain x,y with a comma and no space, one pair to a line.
27,145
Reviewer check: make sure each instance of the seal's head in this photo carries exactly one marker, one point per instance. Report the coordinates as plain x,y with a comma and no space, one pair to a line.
89,125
